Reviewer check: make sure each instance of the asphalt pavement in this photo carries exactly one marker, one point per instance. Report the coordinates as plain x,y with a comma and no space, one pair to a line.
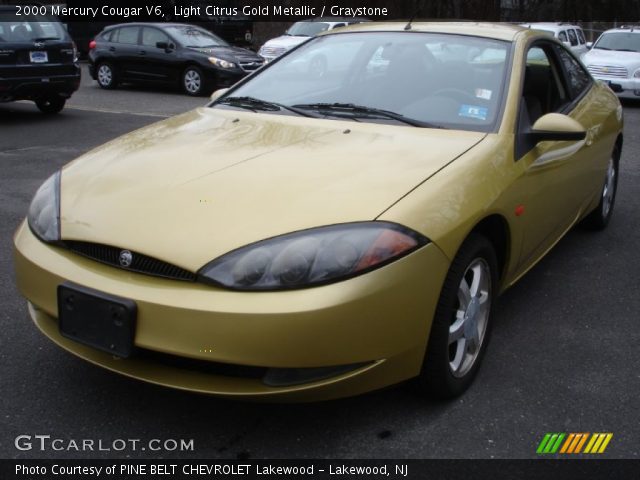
563,356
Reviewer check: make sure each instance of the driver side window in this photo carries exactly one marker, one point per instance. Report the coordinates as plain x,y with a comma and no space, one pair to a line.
542,90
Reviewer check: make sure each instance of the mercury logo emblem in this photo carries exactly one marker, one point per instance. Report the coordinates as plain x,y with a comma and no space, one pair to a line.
38,44
126,258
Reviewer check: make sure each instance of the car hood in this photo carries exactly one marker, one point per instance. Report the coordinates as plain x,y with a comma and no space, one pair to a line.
286,41
630,60
194,187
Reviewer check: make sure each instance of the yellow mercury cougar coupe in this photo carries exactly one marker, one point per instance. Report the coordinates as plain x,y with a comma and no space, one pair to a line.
341,220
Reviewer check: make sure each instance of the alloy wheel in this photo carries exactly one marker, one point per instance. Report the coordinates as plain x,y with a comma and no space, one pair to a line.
105,75
192,81
467,331
608,192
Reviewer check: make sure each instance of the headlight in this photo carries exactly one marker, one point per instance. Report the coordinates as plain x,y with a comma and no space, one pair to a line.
312,257
218,62
44,211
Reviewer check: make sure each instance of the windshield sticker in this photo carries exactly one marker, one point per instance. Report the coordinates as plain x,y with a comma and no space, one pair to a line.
483,93
473,111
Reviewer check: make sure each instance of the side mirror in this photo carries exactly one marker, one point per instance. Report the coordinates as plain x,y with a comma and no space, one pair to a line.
589,45
555,127
552,127
218,93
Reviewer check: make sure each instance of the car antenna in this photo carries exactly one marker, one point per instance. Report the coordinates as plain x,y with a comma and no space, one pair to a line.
413,17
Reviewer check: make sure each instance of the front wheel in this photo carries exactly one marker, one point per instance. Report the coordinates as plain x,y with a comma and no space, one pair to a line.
193,82
600,217
51,105
462,322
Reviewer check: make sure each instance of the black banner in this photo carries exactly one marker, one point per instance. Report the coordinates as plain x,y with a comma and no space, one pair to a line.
116,11
320,469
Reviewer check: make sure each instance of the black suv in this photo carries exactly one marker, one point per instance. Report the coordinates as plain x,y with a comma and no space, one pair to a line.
169,53
38,60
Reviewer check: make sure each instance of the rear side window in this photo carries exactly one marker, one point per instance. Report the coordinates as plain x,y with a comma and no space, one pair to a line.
581,38
126,35
577,78
573,38
562,36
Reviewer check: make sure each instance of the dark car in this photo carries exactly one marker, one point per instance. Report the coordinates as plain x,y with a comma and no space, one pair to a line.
38,60
169,53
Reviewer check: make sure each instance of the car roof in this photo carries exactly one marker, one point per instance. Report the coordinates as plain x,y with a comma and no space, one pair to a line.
335,19
550,25
497,31
157,25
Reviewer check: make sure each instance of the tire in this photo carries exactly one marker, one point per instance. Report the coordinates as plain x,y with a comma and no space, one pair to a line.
106,76
459,335
193,81
51,105
599,218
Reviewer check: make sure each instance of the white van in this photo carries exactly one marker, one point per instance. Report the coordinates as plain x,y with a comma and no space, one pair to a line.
571,35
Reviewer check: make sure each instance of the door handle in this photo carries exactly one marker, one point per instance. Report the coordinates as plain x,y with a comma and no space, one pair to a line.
142,52
112,49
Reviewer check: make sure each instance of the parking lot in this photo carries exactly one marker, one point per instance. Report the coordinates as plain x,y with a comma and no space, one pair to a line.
563,356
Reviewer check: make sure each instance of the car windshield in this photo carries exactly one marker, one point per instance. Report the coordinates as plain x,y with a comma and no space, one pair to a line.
307,29
623,41
28,28
447,81
195,37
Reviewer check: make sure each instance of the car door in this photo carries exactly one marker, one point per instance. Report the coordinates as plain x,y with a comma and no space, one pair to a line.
552,171
123,47
157,64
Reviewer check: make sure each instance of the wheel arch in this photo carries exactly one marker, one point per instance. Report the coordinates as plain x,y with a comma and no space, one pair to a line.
619,141
496,229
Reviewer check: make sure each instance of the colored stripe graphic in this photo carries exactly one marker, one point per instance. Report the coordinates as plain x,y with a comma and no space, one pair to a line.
598,442
550,443
573,443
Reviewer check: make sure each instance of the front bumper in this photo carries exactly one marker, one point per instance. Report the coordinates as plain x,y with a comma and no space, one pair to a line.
223,78
622,85
379,322
33,88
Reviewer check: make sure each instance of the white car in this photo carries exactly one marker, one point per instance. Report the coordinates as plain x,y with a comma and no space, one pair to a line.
300,32
615,59
571,35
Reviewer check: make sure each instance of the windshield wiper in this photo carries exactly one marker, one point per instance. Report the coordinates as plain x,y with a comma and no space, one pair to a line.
256,104
601,48
626,50
355,111
44,39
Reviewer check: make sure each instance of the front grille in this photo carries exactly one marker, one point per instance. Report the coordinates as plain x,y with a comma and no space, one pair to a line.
272,51
250,66
139,263
202,366
615,71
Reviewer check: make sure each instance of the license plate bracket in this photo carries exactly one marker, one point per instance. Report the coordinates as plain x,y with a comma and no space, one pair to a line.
97,319
38,56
